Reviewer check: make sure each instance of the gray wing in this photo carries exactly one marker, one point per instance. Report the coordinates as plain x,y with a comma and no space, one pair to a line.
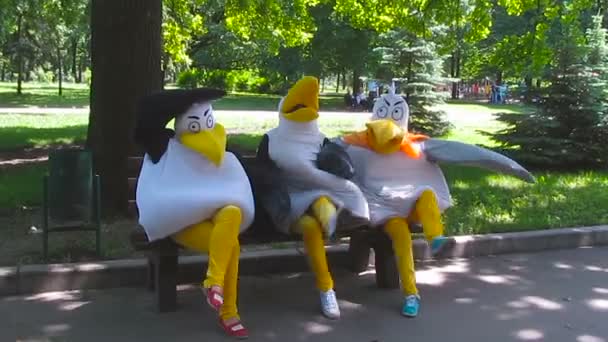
454,152
332,158
269,186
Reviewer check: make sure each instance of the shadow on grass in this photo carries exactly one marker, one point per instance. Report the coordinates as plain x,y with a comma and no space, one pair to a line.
18,137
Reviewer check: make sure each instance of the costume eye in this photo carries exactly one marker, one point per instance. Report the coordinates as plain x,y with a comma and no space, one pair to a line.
194,126
382,112
210,121
397,114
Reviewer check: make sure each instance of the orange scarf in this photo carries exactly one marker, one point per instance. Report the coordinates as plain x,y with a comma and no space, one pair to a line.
407,145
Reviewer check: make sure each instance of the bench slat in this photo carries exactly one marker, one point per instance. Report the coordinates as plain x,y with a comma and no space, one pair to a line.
132,187
133,212
134,165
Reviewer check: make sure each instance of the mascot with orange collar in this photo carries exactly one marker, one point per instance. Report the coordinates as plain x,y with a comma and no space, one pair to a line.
399,174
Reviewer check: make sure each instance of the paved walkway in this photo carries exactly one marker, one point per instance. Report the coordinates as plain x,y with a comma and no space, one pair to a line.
552,296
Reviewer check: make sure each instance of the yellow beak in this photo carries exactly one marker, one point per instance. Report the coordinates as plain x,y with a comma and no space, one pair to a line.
210,143
384,136
302,101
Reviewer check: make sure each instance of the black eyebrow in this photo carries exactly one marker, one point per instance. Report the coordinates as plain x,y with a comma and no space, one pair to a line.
398,102
207,111
193,117
388,104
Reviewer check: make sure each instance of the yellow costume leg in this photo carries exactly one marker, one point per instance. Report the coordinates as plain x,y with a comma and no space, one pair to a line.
399,232
224,237
229,309
315,248
323,210
195,237
427,212
215,237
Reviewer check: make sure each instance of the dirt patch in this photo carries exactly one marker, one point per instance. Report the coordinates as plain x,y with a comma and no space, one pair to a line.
21,241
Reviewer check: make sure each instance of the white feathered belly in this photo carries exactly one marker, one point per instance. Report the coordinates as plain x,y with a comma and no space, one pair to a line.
393,183
184,188
295,156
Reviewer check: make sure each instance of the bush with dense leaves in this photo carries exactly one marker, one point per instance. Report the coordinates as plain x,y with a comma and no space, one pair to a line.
234,80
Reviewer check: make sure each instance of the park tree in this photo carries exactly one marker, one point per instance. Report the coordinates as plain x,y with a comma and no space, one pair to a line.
18,22
62,26
417,63
568,129
126,65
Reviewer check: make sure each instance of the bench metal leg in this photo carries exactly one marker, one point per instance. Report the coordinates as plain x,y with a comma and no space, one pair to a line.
165,273
150,277
359,251
387,275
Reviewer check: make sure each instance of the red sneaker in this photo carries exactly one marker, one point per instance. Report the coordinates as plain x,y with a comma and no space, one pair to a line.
215,298
235,329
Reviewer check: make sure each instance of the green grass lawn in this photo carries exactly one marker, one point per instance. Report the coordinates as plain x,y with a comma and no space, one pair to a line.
41,130
77,95
44,95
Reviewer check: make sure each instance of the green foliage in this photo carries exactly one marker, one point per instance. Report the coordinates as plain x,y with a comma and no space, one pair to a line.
417,62
569,129
234,80
275,22
181,22
189,79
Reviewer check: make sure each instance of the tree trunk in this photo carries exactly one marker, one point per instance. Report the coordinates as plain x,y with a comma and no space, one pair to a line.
3,72
455,73
538,83
528,93
19,55
27,70
79,74
499,78
74,59
338,83
356,82
322,85
343,79
60,71
126,65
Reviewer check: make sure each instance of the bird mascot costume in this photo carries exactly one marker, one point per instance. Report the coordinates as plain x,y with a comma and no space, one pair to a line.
399,174
314,176
193,191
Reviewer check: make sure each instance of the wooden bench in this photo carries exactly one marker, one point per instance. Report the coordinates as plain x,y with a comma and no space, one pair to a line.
163,255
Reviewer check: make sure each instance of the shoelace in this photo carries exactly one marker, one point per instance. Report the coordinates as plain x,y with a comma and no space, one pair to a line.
329,300
411,301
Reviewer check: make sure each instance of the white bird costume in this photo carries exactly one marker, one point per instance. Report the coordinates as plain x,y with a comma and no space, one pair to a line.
399,175
192,191
319,200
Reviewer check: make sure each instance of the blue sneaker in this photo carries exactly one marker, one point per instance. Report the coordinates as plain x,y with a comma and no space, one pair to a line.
411,306
438,243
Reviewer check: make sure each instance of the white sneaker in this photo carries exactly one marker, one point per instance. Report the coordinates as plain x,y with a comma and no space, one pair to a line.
329,305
